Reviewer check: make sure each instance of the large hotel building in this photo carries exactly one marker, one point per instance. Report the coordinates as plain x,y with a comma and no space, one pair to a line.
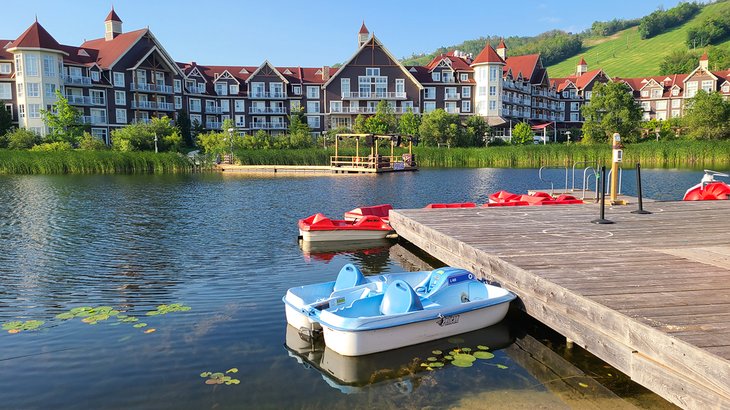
127,77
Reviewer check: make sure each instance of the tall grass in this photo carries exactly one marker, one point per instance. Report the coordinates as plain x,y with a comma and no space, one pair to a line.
90,162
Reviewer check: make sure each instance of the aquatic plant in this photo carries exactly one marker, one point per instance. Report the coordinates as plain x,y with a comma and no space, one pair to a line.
165,309
459,357
18,326
220,378
91,162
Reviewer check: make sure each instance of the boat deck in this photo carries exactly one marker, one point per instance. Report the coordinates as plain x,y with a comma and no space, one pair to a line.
649,294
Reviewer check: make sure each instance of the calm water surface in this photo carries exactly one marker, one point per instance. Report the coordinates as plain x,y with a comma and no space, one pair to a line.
226,247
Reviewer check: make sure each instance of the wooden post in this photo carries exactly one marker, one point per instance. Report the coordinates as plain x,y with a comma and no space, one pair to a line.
357,148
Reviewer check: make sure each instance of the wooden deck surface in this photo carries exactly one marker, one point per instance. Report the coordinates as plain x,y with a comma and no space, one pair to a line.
649,294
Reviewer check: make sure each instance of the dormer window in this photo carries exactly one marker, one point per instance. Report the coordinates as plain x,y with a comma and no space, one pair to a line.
464,77
436,76
675,92
95,75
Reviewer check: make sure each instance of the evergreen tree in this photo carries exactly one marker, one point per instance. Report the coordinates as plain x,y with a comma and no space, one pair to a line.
6,120
185,127
360,126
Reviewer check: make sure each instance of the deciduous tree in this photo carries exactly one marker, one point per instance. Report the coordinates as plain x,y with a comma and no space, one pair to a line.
707,116
64,122
611,109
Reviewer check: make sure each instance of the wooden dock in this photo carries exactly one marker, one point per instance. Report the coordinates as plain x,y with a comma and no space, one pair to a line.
307,169
649,294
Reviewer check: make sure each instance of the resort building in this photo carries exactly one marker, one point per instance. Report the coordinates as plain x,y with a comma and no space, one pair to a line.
127,77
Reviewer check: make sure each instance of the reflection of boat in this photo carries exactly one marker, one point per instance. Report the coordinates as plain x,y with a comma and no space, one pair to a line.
320,228
326,251
449,301
399,369
708,188
505,198
375,210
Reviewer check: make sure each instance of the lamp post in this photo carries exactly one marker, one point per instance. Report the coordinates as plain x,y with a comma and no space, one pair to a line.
567,135
155,142
230,141
324,139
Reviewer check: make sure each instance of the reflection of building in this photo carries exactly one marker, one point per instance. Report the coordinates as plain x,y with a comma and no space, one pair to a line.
129,77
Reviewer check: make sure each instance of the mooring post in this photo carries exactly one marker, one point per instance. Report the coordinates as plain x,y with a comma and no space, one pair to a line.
602,220
641,210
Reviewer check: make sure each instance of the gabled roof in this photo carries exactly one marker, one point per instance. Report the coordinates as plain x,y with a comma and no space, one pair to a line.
113,16
582,61
704,57
36,37
111,51
261,67
456,63
501,44
4,53
487,55
528,65
372,42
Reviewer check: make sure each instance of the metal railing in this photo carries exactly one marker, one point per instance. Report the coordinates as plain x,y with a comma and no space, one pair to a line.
153,105
93,120
266,94
84,100
373,95
370,110
267,110
151,88
258,125
212,125
552,184
195,89
212,109
76,80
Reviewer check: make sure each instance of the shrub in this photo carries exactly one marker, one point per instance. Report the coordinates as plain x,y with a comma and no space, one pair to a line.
89,142
53,146
662,20
21,138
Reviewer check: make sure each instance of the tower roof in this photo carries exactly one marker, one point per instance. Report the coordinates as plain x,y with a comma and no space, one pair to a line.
113,16
487,55
36,37
501,44
582,61
704,57
363,29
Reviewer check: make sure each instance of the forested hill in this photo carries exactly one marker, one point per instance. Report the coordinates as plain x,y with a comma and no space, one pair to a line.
663,42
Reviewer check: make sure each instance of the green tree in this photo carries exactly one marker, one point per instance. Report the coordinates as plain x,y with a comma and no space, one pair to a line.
141,137
707,116
89,142
64,122
360,126
6,120
719,58
436,127
383,122
196,128
678,62
476,130
522,134
611,109
20,138
409,123
185,126
299,132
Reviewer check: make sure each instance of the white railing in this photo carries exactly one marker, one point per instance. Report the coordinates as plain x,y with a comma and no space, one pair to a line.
211,109
452,96
153,105
151,88
213,125
374,95
370,110
195,89
258,125
93,120
84,100
452,110
266,94
267,110
76,80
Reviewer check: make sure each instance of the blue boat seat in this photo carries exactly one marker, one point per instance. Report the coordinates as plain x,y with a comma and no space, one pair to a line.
349,276
400,298
438,279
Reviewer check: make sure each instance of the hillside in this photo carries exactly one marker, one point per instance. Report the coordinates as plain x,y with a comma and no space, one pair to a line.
624,54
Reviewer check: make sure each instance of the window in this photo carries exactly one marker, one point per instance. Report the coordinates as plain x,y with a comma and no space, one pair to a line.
233,89
297,89
466,92
313,106
574,106
141,77
5,68
589,95
372,72
19,89
33,90
34,111
494,73
405,105
31,65
178,102
240,120
656,93
221,88
49,89
447,77
313,121
675,113
95,75
466,106
675,91
661,115
21,110
708,85
121,116
335,106
400,86
194,105
691,89
646,106
49,66
492,90
295,105
676,103
661,105
574,117
645,93
429,106
464,77
97,97
345,87
239,105
6,92
492,105
482,91
98,116
120,98
177,84
225,106
99,133
450,93
276,90
119,79
726,88
312,92
429,93
436,76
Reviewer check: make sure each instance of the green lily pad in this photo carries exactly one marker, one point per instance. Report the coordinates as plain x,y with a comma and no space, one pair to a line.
65,316
432,359
424,364
205,374
437,352
466,349
464,357
232,370
449,357
139,325
483,355
436,364
482,347
235,381
12,325
501,366
462,363
217,375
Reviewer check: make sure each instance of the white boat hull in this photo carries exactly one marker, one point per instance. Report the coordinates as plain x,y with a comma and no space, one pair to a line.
342,235
298,319
358,343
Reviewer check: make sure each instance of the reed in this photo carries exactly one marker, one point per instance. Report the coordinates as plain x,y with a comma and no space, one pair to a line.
91,162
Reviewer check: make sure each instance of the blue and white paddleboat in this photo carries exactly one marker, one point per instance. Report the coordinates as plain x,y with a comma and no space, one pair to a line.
369,315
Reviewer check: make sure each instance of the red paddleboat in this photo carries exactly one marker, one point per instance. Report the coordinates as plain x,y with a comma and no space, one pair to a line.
375,210
320,228
505,198
453,205
708,189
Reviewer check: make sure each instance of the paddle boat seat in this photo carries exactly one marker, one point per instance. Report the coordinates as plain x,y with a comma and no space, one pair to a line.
438,278
399,298
349,277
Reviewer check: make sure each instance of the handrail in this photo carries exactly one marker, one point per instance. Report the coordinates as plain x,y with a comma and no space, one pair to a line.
595,165
620,178
552,185
586,177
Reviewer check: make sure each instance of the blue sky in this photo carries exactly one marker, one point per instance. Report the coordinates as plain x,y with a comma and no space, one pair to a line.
310,33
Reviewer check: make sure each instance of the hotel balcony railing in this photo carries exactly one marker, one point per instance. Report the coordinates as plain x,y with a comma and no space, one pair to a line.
93,120
267,95
240,125
267,110
369,110
84,100
448,79
258,125
195,89
452,96
452,110
151,88
153,105
374,96
76,80
140,121
211,109
213,125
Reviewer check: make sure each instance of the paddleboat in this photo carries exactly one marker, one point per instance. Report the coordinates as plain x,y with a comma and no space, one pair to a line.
452,205
320,228
708,189
375,210
506,198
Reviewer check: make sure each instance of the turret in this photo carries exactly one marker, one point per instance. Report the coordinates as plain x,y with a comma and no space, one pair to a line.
502,50
113,26
582,67
363,35
705,62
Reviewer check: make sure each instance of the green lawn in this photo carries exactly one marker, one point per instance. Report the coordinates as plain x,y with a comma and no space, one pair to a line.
625,54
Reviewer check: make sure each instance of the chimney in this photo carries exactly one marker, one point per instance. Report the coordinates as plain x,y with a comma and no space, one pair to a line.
705,62
325,73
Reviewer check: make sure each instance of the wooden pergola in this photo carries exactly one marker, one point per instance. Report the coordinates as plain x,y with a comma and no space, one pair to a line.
374,161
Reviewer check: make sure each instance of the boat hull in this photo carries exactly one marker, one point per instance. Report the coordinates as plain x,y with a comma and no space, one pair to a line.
343,235
359,343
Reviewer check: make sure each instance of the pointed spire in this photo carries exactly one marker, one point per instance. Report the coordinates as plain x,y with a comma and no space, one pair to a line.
363,29
501,44
36,37
582,61
704,57
487,55
113,16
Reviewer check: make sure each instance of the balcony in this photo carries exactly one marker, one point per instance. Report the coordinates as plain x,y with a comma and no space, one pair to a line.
212,109
374,96
93,119
448,79
213,125
369,110
151,88
84,100
76,80
452,110
267,110
140,121
153,105
194,89
452,96
267,95
262,125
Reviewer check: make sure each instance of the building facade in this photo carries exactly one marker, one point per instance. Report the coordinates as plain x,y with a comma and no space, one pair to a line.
127,77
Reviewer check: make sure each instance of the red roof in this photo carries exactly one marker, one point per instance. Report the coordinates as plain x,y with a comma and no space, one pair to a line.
36,37
501,44
110,51
4,54
457,63
113,16
487,55
582,61
363,29
527,65
704,57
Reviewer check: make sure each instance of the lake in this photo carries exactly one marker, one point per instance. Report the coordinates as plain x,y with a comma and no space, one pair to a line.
219,251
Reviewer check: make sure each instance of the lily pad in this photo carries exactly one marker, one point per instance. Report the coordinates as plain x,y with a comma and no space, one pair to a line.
232,370
482,347
432,359
466,349
140,325
436,364
16,326
449,357
424,364
205,374
235,381
483,355
464,357
462,363
437,352
65,316
501,366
